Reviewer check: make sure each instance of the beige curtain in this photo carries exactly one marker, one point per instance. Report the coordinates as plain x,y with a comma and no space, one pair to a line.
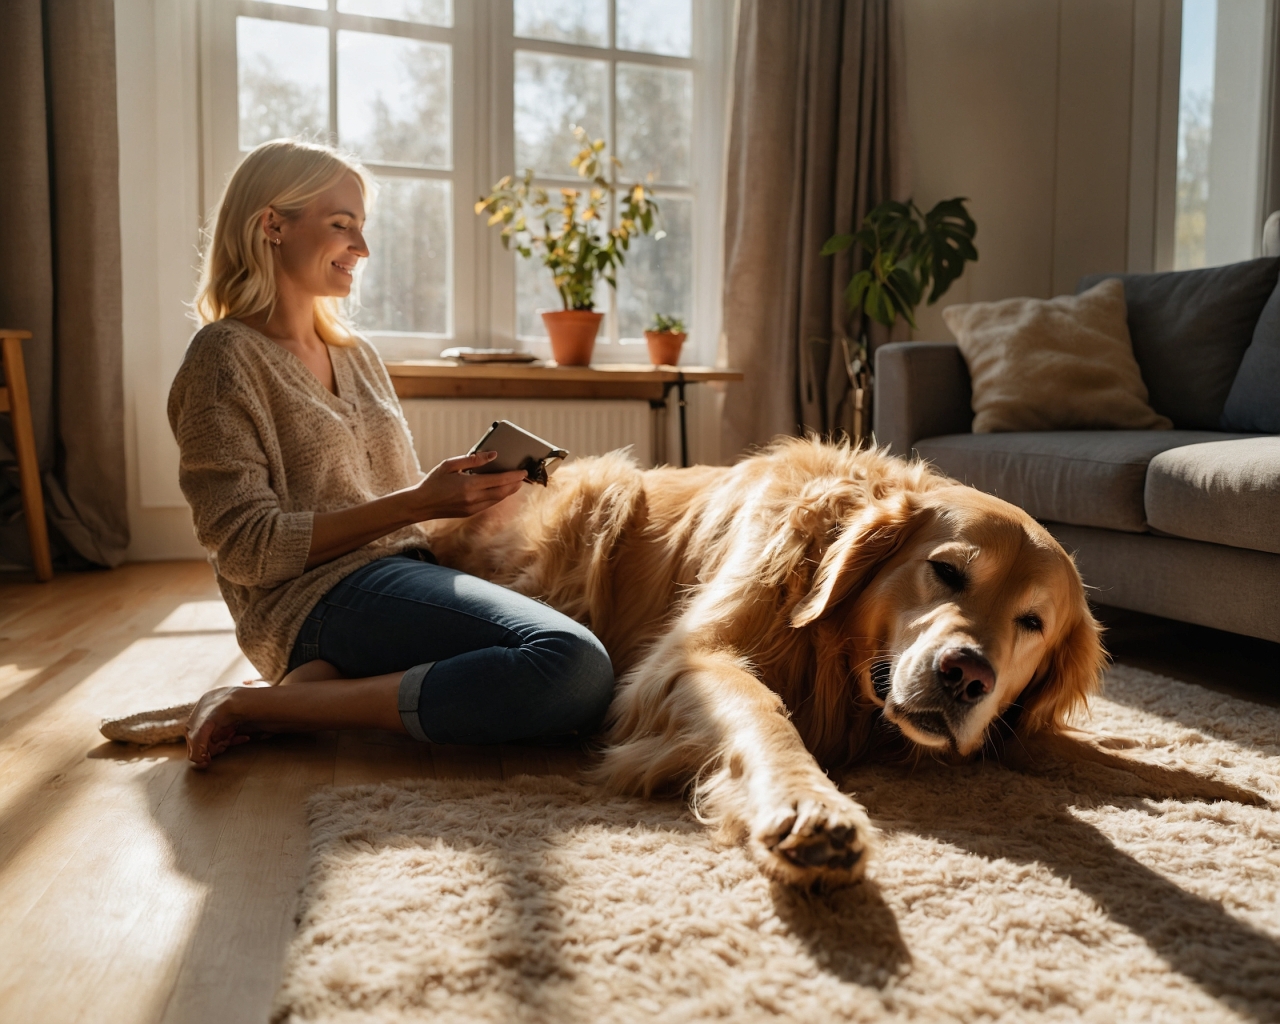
817,138
60,271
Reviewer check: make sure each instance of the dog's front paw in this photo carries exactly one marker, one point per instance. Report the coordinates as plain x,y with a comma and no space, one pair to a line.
815,837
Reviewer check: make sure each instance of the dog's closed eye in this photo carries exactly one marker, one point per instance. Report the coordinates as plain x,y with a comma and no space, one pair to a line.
950,576
1030,623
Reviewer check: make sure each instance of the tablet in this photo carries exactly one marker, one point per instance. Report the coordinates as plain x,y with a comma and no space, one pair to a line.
517,449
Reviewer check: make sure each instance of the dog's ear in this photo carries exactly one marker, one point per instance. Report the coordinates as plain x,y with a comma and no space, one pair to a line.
865,543
1070,674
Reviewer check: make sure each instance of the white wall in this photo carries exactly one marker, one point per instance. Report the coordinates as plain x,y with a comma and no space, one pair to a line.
1055,118
157,97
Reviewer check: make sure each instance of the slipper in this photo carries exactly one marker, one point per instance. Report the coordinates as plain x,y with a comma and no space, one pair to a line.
147,728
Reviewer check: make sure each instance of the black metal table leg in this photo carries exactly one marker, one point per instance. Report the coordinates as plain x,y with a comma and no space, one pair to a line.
684,430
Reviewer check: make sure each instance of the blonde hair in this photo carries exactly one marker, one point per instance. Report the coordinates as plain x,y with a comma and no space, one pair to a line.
237,275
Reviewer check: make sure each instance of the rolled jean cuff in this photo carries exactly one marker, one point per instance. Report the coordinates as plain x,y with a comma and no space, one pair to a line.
409,696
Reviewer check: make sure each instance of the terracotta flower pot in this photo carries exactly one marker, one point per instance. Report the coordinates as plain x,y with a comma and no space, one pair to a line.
573,335
664,347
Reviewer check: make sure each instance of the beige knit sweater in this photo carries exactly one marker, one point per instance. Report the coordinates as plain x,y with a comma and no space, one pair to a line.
264,445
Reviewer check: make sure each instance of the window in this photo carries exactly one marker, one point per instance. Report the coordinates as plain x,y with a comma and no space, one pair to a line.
622,69
379,78
1222,113
439,98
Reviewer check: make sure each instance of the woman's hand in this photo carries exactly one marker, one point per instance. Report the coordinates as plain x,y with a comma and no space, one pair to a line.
450,492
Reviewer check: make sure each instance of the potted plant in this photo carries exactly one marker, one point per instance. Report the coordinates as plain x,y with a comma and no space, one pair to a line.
568,233
906,251
665,337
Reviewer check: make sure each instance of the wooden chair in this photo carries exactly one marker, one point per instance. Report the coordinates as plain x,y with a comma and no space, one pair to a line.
16,401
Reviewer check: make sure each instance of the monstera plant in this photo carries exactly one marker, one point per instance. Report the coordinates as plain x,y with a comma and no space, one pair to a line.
908,254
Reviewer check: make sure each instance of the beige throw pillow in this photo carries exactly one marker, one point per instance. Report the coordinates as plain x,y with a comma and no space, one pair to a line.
1053,364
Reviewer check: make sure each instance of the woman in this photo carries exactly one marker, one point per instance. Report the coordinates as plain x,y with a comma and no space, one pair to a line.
305,489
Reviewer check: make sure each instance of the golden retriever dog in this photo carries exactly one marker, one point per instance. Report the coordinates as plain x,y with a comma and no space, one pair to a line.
766,619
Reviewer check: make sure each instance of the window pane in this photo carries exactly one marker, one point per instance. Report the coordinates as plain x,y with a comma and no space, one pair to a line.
655,122
407,283
656,26
585,22
283,77
1221,134
1195,109
393,99
553,94
535,294
427,12
658,277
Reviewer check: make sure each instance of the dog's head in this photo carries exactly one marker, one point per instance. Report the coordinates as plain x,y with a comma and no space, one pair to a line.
963,610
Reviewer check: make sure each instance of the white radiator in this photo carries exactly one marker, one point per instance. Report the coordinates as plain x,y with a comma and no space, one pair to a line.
443,427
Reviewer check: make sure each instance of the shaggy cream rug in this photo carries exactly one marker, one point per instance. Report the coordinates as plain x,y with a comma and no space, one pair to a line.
996,896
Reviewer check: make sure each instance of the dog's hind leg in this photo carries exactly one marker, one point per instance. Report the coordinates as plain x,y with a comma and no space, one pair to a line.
704,721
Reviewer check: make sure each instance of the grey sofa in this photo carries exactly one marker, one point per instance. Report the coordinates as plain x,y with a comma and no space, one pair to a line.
1181,523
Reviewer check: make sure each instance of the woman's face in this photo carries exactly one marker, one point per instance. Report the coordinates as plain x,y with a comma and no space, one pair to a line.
318,249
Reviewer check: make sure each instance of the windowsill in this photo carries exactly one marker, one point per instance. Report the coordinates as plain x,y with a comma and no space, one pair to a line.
406,347
438,378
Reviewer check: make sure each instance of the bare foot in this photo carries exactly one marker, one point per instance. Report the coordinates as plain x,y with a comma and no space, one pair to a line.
212,727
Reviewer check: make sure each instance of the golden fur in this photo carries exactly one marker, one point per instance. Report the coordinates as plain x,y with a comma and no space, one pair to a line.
746,610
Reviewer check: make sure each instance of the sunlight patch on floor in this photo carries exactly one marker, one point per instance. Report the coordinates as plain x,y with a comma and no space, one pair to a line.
58,731
101,851
198,617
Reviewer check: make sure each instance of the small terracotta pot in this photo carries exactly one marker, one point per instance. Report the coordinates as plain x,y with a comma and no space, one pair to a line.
664,347
573,335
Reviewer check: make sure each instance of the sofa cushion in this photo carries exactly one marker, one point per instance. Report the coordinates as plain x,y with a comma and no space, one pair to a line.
1214,585
1082,477
1254,400
1190,330
1224,492
1053,364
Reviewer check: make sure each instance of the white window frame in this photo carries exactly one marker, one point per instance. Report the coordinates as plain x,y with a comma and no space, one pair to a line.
484,45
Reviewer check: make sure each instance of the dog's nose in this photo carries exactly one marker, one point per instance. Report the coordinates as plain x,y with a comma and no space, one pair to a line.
965,674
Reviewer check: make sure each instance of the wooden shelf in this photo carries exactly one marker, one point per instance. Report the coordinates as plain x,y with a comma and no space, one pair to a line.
438,378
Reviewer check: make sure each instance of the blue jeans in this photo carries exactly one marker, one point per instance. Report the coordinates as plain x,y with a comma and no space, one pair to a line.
485,664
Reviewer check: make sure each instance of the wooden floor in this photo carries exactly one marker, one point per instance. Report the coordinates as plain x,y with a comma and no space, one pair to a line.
135,889
131,887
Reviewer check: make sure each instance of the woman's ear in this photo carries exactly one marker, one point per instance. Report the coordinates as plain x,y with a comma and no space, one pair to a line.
866,542
1070,675
271,221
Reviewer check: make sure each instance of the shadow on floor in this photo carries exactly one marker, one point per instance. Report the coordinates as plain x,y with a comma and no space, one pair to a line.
985,811
1239,666
852,932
